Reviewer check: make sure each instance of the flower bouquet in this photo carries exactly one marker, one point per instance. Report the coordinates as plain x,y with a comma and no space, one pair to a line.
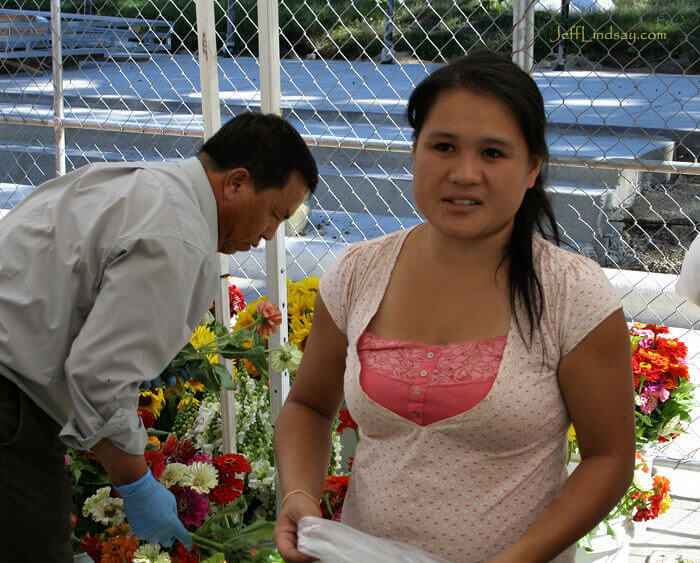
663,401
663,392
225,501
209,498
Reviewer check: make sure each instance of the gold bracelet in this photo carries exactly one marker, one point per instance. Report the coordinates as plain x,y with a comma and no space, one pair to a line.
290,493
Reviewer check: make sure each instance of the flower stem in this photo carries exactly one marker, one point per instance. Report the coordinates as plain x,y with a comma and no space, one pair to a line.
206,542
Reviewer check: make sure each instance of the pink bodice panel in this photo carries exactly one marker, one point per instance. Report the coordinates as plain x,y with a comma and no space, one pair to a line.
425,383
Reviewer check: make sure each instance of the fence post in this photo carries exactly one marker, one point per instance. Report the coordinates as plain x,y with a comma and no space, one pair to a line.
275,260
564,27
211,116
388,51
524,34
57,66
230,42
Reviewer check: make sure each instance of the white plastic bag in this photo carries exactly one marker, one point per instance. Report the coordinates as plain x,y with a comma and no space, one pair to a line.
333,542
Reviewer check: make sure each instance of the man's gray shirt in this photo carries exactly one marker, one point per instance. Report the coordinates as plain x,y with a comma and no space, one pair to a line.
104,274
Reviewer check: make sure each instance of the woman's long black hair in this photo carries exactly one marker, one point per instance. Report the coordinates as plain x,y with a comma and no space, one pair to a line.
490,74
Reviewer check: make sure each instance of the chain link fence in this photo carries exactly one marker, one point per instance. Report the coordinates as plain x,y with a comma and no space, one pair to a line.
620,86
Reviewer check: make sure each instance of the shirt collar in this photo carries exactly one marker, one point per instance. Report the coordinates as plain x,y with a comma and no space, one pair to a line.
205,196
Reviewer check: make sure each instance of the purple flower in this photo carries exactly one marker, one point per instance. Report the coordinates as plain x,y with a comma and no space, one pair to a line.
204,457
653,393
66,459
192,508
647,403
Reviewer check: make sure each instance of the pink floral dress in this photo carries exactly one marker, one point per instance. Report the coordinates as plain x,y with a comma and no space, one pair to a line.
468,486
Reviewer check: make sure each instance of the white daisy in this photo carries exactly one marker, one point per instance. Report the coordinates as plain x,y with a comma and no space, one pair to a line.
286,357
172,475
150,553
91,502
109,512
202,477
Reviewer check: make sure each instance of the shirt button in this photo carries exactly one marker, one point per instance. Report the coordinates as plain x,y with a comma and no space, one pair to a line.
430,354
414,414
423,373
416,390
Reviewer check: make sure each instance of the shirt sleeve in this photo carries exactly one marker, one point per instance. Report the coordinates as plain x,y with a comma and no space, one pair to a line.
152,295
586,298
688,284
335,287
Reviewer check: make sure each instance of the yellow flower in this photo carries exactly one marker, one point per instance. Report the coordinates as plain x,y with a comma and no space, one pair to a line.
665,504
186,401
152,400
245,317
572,434
299,329
309,284
194,386
155,441
202,336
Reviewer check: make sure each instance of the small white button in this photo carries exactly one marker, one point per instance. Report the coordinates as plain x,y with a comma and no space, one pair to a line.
414,414
423,373
416,390
430,354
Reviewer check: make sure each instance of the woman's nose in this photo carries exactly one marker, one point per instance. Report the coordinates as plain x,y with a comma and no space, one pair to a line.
465,170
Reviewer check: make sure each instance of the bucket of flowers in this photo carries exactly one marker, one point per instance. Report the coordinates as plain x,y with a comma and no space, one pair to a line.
663,403
219,494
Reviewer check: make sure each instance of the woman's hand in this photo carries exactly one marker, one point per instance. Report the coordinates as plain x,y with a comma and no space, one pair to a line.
285,534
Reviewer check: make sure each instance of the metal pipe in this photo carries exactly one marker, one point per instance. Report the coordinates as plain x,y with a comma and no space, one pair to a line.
642,165
57,66
563,28
211,117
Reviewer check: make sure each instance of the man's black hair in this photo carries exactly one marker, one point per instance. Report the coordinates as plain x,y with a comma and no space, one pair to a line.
267,146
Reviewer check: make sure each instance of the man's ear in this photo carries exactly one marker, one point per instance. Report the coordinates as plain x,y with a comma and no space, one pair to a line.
234,179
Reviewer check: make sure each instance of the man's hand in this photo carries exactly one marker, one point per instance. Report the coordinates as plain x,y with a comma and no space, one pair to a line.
151,510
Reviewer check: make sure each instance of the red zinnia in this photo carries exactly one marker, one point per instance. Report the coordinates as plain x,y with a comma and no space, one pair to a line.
656,329
170,444
228,465
180,554
183,452
235,299
146,417
223,494
346,421
92,545
156,461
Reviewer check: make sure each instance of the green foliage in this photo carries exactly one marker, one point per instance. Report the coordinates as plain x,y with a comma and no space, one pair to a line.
432,31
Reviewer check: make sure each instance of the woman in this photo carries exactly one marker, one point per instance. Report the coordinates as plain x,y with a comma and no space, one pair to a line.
464,347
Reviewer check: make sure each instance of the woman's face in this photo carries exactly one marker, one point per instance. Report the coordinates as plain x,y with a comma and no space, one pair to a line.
471,167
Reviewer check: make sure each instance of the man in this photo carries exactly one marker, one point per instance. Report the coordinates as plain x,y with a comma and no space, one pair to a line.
104,274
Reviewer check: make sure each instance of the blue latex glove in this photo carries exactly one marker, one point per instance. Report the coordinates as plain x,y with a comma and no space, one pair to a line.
167,377
151,510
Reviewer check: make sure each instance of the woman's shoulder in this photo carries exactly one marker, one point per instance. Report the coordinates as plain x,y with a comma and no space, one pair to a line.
557,260
372,249
568,273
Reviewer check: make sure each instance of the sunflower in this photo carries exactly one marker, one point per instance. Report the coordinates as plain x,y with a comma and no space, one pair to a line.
194,386
152,400
201,337
186,401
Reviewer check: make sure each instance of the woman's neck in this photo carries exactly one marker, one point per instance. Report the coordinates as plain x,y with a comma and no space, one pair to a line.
469,257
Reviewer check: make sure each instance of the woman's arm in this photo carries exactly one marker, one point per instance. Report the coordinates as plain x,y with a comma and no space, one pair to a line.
303,428
597,385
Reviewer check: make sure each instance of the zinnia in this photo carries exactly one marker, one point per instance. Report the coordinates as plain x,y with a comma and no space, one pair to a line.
272,316
192,508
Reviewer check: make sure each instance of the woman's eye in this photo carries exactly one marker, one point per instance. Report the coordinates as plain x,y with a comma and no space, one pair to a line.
443,147
493,153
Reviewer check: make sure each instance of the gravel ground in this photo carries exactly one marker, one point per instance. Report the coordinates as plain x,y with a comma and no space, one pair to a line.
659,227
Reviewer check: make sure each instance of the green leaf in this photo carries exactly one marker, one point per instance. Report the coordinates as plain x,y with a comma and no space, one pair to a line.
216,558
